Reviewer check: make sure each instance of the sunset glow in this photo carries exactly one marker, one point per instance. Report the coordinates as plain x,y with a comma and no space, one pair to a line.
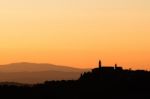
76,32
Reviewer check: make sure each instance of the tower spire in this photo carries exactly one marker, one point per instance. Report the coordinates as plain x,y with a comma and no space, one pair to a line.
100,64
116,66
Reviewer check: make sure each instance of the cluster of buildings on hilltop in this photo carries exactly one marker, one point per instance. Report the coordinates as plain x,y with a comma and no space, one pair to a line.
107,68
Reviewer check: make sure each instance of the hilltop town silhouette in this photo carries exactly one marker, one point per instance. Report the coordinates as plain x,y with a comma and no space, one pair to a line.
104,82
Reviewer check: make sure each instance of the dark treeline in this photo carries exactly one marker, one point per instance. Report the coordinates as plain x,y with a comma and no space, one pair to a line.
97,84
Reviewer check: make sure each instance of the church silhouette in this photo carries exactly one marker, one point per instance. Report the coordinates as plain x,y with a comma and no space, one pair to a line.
106,68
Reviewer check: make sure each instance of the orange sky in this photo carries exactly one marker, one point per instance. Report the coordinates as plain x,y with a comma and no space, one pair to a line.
76,32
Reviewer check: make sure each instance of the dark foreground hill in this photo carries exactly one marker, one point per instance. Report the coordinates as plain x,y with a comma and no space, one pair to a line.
98,84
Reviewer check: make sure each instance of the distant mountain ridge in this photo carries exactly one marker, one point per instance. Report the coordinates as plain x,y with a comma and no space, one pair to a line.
25,72
36,67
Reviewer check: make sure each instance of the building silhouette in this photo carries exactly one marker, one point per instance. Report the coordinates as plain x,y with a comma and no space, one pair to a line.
102,68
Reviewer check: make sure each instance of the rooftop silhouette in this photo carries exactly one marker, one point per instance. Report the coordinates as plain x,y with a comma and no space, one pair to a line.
107,68
115,73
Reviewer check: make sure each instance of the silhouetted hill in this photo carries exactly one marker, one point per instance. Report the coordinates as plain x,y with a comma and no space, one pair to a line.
105,83
111,82
100,83
37,73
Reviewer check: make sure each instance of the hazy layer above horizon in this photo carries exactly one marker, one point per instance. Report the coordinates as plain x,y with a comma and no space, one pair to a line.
76,32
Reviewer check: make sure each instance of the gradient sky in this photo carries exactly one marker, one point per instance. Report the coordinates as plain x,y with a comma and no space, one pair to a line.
76,32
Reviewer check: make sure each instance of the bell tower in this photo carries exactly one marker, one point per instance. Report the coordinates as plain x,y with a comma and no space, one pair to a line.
100,64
